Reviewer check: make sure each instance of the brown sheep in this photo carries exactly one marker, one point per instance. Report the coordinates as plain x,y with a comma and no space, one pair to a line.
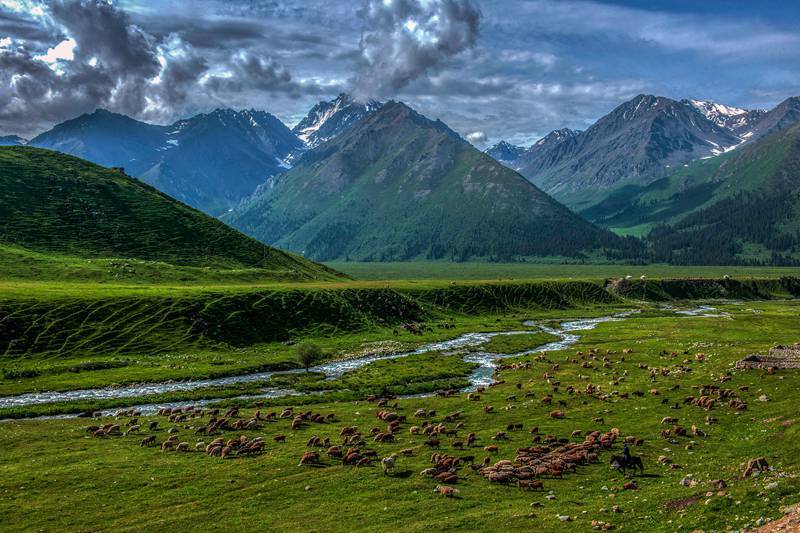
530,484
309,458
444,490
491,448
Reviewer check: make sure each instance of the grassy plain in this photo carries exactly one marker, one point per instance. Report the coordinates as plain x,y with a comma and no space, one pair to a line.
56,477
422,270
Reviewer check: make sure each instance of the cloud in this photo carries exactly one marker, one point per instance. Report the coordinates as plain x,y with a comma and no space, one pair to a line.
96,56
477,137
404,40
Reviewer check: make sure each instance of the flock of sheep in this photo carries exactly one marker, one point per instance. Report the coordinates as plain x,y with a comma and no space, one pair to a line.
548,456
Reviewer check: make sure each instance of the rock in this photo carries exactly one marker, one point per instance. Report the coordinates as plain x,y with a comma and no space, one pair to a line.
763,398
630,485
755,466
687,480
664,460
771,486
565,518
718,484
536,504
551,497
616,509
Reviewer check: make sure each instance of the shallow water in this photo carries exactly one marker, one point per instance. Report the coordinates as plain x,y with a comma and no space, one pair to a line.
481,376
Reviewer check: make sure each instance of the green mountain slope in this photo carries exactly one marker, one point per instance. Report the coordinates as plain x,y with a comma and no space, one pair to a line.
61,205
397,186
742,207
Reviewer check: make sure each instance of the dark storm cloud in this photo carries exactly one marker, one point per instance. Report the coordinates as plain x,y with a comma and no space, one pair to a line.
96,56
406,39
13,25
251,71
511,69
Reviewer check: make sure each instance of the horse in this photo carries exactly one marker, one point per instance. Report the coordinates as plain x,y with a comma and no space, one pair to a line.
620,462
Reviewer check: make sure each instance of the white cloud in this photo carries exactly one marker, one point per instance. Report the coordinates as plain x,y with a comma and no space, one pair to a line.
65,51
477,137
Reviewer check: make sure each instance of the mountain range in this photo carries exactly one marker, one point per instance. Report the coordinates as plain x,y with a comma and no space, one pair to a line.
396,186
639,142
377,181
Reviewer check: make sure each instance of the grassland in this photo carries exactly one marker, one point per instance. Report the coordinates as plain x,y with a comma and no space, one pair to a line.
56,477
532,271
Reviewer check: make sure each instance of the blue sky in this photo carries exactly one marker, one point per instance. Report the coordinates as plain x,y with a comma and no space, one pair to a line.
517,71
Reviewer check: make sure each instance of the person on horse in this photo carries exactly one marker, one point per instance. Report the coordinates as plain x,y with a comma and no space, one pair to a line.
626,453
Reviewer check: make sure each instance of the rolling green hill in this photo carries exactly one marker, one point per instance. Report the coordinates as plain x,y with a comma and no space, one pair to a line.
59,206
741,207
397,186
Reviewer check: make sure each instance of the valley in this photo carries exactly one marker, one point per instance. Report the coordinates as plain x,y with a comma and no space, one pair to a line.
418,265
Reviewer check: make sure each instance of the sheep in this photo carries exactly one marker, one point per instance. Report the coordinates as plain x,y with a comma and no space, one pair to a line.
309,458
388,463
444,490
279,438
147,441
530,484
491,448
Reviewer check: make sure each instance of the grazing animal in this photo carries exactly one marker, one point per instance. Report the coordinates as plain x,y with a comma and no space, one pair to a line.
530,484
147,441
444,490
388,464
309,458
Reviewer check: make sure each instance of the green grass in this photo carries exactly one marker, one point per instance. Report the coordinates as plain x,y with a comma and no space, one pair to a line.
62,206
531,271
50,468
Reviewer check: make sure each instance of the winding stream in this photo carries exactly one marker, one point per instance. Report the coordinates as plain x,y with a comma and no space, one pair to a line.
482,375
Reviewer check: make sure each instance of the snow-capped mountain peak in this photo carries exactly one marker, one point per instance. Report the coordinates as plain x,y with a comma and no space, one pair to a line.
731,118
327,119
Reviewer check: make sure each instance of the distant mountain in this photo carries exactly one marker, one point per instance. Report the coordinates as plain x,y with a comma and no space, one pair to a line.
740,207
398,186
326,120
56,203
506,153
12,140
210,161
108,139
213,161
784,115
637,144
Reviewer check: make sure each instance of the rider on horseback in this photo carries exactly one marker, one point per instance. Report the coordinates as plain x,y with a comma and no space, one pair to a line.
626,453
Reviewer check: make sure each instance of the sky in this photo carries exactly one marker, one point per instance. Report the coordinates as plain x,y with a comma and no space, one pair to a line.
491,69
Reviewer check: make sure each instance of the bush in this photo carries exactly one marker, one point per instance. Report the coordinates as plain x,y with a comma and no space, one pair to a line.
307,354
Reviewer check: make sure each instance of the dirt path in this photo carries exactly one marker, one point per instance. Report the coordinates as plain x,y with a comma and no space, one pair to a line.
790,522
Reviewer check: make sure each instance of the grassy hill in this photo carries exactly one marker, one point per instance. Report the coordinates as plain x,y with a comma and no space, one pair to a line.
56,208
399,187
